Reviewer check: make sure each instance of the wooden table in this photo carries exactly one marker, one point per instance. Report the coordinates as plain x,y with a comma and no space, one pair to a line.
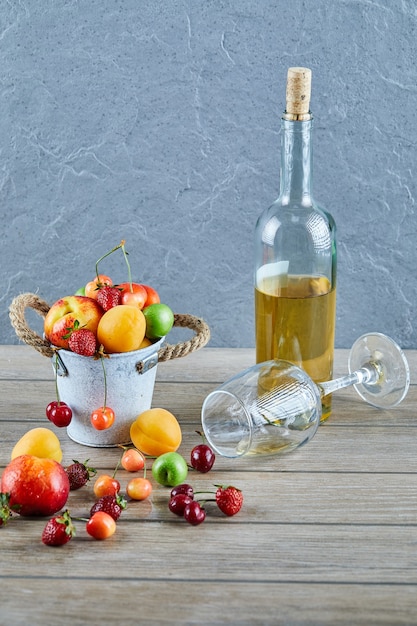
326,535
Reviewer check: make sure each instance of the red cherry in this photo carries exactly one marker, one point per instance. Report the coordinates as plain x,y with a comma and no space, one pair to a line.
194,514
184,488
202,458
59,413
178,503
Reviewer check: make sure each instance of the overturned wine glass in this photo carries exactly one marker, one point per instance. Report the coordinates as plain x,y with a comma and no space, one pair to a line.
275,407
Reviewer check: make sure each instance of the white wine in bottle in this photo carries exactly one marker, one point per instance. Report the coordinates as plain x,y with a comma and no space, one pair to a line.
295,250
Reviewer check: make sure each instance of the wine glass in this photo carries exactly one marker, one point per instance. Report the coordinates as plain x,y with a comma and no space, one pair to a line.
275,407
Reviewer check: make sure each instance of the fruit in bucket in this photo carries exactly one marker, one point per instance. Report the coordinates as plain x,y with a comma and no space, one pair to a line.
159,320
111,318
121,329
133,293
68,312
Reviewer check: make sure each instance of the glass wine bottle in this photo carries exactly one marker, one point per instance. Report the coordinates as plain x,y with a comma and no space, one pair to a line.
295,266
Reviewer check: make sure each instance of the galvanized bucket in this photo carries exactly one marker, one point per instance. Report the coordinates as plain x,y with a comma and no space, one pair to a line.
130,376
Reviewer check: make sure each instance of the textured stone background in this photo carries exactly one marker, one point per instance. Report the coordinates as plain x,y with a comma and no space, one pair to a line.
158,122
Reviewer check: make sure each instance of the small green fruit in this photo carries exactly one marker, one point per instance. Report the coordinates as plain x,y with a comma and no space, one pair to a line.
170,469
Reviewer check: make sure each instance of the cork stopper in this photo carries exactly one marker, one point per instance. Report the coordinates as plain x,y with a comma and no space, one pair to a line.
298,93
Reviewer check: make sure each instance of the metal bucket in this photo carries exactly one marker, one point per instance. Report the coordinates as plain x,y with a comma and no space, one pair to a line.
130,376
130,380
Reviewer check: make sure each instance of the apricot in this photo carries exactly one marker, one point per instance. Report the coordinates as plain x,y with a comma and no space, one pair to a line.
155,432
121,329
40,442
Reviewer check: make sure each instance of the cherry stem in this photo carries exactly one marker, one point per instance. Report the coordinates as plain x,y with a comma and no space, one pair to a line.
105,381
121,245
129,273
116,468
56,378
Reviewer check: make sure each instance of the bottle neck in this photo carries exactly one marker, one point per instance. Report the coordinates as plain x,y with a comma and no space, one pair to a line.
296,161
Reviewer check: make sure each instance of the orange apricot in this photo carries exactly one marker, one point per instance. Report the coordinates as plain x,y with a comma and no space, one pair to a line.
155,432
121,329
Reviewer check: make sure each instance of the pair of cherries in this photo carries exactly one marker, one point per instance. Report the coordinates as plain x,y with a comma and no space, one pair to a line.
60,414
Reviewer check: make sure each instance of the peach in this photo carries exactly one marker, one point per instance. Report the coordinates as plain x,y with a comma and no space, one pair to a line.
65,312
122,329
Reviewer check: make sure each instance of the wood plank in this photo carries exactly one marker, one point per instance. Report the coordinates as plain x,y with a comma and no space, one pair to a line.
223,550
142,600
208,364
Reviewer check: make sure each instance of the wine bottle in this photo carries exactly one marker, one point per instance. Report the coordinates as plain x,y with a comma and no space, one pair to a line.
295,254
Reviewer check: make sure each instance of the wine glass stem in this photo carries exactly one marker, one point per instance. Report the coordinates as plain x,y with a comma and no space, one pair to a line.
368,374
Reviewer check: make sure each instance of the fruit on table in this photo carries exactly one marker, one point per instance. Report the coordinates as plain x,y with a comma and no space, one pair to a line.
178,503
40,442
229,499
155,432
202,458
37,487
5,511
194,513
121,328
113,505
58,530
132,460
106,485
170,469
65,313
159,320
139,488
79,474
101,525
184,488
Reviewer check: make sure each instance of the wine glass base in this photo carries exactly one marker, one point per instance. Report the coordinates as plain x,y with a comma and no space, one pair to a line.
394,372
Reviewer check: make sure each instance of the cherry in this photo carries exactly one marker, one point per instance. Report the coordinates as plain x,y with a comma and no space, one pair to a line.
102,418
202,458
59,413
178,503
106,485
194,514
184,488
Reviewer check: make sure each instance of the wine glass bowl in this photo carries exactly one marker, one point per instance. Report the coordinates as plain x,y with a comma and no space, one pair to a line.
275,407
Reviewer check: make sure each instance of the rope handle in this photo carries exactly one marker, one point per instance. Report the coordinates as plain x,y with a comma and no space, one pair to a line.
25,333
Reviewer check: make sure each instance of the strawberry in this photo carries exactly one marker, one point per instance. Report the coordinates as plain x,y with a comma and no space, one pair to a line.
79,474
5,510
229,499
59,530
112,505
108,297
83,341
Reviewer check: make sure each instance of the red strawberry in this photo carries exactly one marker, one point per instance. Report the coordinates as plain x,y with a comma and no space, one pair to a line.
79,474
229,499
108,297
5,511
112,505
59,530
83,341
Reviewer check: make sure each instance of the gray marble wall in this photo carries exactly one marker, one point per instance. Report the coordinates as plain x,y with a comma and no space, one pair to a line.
158,122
